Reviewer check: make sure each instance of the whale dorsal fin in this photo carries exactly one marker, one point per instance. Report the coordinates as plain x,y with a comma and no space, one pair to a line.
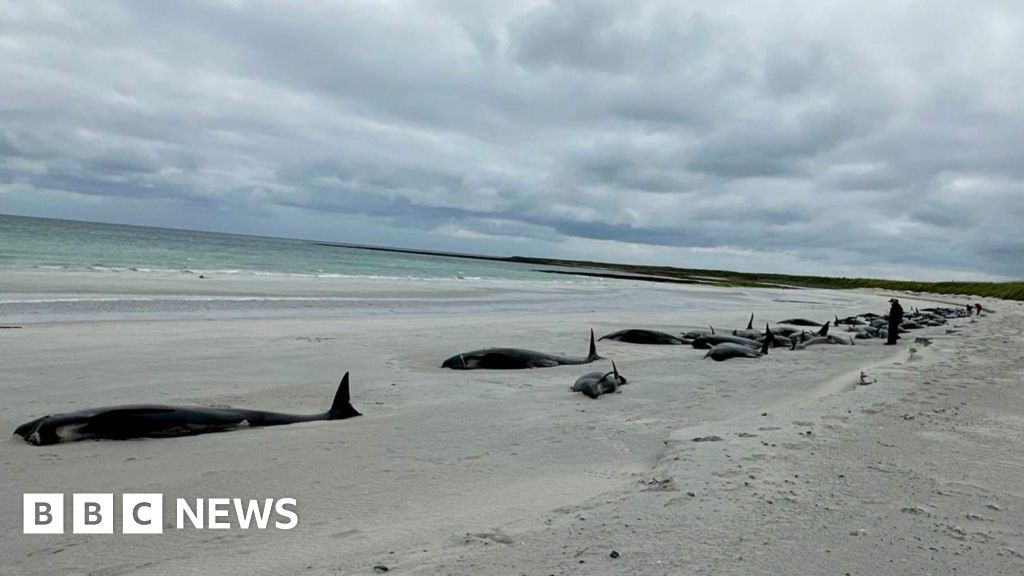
750,323
342,407
592,355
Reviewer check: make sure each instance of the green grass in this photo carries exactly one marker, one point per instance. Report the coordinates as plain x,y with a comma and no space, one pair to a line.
1004,290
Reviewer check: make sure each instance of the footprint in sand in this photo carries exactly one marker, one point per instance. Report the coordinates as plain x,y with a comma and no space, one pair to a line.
495,536
978,517
794,446
835,417
121,569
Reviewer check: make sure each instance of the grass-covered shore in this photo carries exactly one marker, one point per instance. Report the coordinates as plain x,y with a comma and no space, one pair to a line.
1004,290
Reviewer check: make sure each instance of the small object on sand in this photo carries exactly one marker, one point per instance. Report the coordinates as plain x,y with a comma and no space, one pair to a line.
654,484
614,554
866,380
380,568
711,438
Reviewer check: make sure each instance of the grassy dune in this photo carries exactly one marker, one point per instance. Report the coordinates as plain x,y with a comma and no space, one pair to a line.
1005,290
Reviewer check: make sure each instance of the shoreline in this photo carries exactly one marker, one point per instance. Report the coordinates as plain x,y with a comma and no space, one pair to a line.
447,471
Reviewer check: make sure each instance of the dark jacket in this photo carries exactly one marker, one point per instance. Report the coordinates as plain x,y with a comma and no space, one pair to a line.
896,314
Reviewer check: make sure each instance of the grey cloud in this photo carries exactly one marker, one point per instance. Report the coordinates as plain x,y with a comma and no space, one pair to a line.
844,137
578,34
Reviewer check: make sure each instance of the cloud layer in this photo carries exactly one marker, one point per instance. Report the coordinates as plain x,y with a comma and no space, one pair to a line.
855,138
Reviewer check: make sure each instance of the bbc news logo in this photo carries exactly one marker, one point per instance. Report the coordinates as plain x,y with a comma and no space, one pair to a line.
143,513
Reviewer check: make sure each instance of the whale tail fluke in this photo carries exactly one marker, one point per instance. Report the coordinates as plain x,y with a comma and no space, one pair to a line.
824,329
592,355
342,406
769,339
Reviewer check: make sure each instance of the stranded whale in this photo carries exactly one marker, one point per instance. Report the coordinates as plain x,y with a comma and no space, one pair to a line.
728,350
515,359
593,384
641,336
160,421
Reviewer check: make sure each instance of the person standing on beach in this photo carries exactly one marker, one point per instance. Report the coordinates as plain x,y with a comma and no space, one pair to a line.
895,319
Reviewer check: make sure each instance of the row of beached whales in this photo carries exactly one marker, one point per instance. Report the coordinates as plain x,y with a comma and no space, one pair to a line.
164,421
748,342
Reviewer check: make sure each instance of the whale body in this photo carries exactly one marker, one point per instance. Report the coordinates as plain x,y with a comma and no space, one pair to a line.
166,421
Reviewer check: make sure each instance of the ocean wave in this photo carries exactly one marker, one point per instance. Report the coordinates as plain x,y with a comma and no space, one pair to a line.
83,299
214,298
212,273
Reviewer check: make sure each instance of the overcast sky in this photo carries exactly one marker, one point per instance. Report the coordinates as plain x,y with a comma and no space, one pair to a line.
860,138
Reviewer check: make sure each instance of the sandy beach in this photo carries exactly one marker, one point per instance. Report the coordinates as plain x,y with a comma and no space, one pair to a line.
801,470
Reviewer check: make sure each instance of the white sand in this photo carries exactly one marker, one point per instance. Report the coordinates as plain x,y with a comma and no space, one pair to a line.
508,472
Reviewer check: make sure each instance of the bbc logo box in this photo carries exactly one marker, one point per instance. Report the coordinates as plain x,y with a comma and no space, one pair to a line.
43,513
93,513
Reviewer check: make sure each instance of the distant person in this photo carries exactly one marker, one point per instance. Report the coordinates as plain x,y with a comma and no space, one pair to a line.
977,306
895,319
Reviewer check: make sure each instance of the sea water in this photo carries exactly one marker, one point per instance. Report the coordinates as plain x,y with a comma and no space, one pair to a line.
42,243
60,271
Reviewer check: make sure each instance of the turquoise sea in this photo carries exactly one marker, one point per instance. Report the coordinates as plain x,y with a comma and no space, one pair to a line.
70,271
43,243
